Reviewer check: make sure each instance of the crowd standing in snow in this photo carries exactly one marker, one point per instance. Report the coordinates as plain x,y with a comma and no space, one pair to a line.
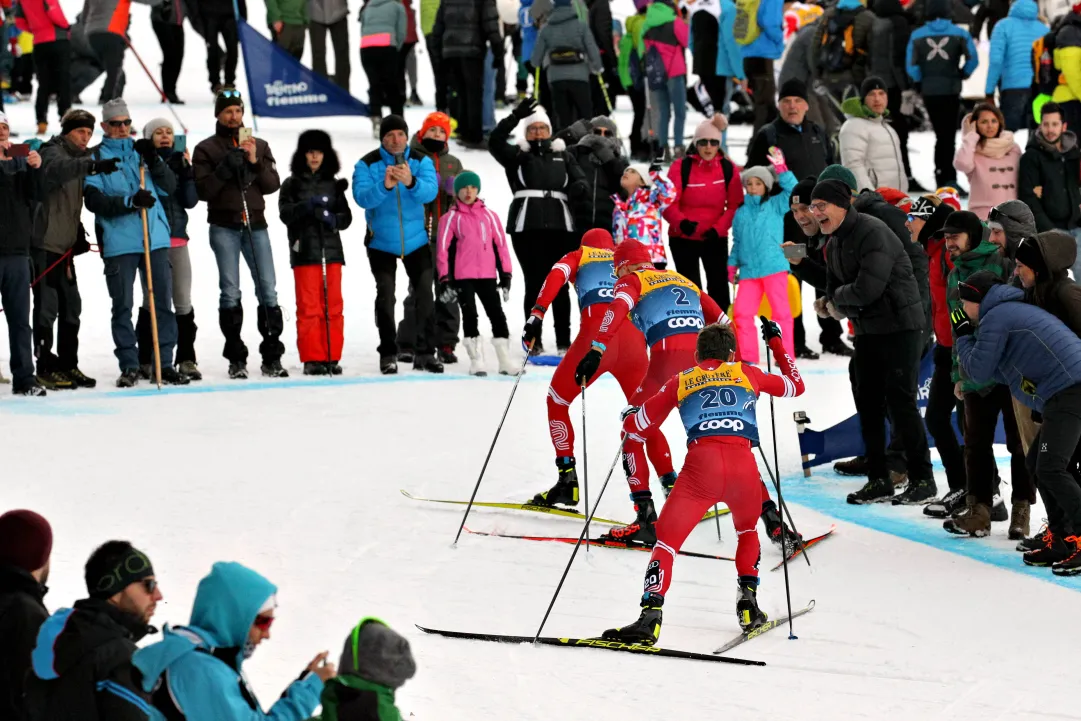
822,201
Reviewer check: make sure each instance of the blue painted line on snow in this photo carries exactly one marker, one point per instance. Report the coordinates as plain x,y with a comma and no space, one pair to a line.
829,499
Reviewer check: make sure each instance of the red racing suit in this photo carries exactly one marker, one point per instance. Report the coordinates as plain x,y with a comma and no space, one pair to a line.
716,403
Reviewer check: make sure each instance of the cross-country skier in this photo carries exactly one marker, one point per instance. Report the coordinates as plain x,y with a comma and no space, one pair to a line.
589,268
716,400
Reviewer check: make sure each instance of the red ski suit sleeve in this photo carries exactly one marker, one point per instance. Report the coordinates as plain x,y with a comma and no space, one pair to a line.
563,272
626,293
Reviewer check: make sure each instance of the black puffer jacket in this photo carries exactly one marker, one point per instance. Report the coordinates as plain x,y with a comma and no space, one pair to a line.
308,235
889,42
186,197
871,279
871,203
21,614
591,199
465,29
541,181
20,204
1054,291
1056,172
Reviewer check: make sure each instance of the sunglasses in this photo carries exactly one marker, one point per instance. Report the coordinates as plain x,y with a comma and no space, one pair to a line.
263,623
150,585
708,141
120,123
603,132
229,93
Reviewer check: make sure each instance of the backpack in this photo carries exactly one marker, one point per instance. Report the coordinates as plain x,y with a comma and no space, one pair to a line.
838,50
726,169
1045,77
656,72
746,29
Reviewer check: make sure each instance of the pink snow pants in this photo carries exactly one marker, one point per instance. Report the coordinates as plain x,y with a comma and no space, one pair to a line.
748,299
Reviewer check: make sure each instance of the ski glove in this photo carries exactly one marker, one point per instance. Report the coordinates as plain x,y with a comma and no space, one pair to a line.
532,331
109,165
687,227
962,326
526,108
447,293
587,367
317,201
329,219
142,199
146,150
770,329
711,235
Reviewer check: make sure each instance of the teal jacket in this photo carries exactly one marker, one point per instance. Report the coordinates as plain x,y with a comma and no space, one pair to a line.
758,231
120,226
200,664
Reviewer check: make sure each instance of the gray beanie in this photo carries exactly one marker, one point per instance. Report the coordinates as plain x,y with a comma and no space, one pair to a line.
761,172
115,108
603,121
377,653
149,128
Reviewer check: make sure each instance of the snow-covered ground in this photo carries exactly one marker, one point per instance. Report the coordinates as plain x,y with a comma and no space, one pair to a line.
300,480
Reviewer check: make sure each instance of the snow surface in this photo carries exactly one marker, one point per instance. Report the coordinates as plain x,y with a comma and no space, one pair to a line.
300,480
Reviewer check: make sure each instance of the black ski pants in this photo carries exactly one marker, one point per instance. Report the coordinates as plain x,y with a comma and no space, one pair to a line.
944,113
981,417
763,87
639,145
226,28
52,63
385,81
56,301
110,49
690,256
571,101
339,36
171,39
537,251
465,94
1049,460
447,321
938,418
485,290
419,268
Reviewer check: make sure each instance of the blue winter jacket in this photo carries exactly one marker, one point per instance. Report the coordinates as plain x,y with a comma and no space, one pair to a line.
528,29
120,226
932,56
729,52
395,217
758,231
204,659
770,41
1011,47
1022,346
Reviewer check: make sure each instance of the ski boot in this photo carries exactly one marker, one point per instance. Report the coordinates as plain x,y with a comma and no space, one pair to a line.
774,525
976,522
747,610
668,482
565,491
647,629
853,467
643,530
917,493
875,490
1071,565
945,507
1019,520
1053,551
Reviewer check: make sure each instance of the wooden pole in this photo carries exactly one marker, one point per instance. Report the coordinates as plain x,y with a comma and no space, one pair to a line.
150,284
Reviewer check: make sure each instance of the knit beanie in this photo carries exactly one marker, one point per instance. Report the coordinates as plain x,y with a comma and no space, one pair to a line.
706,130
895,197
391,123
793,88
464,179
642,169
801,194
115,108
314,140
762,173
924,206
949,197
435,120
107,574
227,98
598,238
26,539
153,125
974,288
376,653
630,252
540,115
839,172
871,82
1029,253
77,118
834,192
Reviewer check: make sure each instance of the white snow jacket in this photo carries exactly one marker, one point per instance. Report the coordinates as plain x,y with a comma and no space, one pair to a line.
870,149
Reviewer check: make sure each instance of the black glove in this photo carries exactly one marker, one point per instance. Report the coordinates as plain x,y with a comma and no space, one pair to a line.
109,165
146,150
532,331
317,201
711,235
143,199
770,329
687,227
962,326
587,367
231,164
329,219
655,165
82,245
504,280
526,108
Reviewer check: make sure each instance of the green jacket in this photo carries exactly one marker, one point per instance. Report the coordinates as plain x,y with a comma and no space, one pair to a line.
631,40
354,697
290,12
984,256
428,11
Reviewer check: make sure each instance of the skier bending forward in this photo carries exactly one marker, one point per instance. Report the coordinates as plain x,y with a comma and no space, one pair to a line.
716,401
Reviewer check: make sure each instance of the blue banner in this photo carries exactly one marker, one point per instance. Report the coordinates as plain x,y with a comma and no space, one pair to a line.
280,87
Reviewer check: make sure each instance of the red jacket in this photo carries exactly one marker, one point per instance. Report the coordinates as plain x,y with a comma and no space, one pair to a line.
410,22
705,200
940,266
44,19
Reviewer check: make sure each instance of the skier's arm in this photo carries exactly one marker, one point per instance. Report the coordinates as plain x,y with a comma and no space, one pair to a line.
653,412
505,153
627,291
563,272
787,385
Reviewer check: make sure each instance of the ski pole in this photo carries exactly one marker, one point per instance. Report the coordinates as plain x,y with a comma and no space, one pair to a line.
517,380
780,501
611,469
157,87
585,461
717,518
150,283
326,295
784,506
604,92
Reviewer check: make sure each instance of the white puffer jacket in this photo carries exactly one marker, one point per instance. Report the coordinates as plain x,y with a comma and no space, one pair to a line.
871,150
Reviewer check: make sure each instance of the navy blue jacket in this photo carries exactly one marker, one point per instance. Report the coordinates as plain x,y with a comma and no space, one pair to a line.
1021,346
935,50
185,198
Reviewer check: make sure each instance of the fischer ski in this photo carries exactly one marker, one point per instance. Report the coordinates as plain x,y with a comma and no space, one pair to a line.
593,643
596,542
807,544
563,512
767,626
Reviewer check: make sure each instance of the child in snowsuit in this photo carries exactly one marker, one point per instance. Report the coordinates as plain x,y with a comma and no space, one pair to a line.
383,27
472,261
757,233
639,217
312,204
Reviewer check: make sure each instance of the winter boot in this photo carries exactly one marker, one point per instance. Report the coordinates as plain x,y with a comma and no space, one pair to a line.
32,389
774,528
273,369
668,482
128,378
1053,551
476,357
271,324
190,369
1071,565
231,322
837,347
918,492
405,355
915,187
427,362
238,370
976,522
805,353
875,490
999,514
43,128
898,478
80,379
1038,540
1019,520
502,352
171,377
185,339
388,365
315,369
56,381
945,507
565,491
446,355
647,629
642,530
334,368
747,610
853,467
